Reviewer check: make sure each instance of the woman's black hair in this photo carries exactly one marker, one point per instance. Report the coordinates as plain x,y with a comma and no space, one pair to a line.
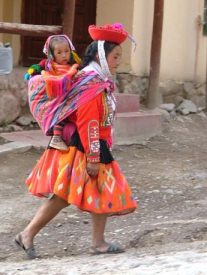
92,50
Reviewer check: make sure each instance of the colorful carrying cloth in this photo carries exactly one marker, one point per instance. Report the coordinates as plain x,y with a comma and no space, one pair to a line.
49,112
58,82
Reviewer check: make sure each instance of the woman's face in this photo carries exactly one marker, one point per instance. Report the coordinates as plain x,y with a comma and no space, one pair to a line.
61,53
114,59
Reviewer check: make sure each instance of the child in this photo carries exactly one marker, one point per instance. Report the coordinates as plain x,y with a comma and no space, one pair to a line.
57,72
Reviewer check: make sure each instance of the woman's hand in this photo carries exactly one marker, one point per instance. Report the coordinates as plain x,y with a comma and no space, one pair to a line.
92,169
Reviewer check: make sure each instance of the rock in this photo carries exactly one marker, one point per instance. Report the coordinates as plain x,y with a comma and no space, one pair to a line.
21,95
201,91
186,107
200,109
24,121
145,82
2,129
178,100
180,119
164,114
3,83
188,87
185,112
58,225
14,127
173,114
9,107
198,100
202,114
168,106
171,87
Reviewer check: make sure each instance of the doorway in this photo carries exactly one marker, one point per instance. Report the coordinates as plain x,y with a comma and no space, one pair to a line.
47,12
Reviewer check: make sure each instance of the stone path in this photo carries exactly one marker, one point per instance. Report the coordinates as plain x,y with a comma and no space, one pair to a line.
188,261
129,263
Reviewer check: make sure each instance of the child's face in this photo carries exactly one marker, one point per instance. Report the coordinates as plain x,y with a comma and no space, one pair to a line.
62,53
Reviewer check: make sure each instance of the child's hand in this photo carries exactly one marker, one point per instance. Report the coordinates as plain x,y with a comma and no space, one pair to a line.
73,70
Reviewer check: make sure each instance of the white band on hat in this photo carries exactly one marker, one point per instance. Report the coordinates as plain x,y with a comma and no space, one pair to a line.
102,59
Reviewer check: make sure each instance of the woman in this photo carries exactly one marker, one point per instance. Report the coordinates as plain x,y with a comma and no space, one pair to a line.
87,175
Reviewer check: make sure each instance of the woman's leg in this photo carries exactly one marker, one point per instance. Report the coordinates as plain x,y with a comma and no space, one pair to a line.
99,245
44,214
98,229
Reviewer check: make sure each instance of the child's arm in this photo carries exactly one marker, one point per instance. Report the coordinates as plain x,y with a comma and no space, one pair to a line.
58,85
73,70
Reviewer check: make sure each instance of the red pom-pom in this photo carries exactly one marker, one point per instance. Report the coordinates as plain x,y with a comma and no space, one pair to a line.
42,63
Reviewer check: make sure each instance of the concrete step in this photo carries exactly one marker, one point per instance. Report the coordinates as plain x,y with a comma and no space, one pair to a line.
136,127
34,138
15,146
127,102
130,128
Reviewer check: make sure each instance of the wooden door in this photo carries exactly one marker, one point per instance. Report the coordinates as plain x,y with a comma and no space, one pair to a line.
47,12
85,15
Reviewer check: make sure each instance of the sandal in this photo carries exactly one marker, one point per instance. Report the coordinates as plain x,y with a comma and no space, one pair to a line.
31,253
112,249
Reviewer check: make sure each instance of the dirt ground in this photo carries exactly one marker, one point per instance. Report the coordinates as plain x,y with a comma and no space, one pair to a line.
168,175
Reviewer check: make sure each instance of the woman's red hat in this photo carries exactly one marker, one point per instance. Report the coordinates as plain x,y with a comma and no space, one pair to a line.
112,33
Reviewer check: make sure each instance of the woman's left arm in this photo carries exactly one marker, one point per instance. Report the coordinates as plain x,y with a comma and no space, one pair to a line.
88,120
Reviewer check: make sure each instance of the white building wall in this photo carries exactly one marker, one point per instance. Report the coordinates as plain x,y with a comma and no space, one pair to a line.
142,31
179,47
121,11
183,46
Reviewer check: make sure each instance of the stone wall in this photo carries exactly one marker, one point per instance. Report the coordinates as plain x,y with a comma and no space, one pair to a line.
13,96
171,91
13,92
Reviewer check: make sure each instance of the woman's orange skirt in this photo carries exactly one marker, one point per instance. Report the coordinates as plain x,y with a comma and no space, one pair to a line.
64,174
